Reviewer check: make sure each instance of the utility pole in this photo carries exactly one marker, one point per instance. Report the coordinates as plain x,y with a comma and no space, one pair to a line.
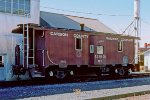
137,16
137,28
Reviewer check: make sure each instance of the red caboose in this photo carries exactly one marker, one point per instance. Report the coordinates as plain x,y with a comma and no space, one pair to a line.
57,53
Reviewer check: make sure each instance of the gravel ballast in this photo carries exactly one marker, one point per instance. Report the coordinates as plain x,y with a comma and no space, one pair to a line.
85,89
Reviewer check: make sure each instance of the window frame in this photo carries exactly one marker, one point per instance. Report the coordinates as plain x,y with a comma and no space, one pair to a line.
1,61
92,48
80,49
101,49
3,5
120,46
20,9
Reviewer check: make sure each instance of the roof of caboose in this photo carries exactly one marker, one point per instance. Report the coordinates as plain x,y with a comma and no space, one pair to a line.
48,19
19,30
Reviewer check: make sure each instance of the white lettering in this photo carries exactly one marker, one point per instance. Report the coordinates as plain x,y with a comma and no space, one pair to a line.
59,34
111,38
116,39
130,40
100,56
80,36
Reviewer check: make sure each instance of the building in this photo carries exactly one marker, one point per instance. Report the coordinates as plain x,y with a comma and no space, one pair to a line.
12,13
48,19
147,60
142,53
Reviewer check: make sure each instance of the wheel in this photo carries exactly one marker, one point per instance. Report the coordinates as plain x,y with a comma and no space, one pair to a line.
30,73
49,75
128,72
121,71
98,73
60,74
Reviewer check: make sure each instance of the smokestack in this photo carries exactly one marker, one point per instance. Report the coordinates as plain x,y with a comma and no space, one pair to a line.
82,27
136,9
145,45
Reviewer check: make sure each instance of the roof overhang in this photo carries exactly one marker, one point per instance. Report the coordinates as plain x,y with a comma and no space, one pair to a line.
19,28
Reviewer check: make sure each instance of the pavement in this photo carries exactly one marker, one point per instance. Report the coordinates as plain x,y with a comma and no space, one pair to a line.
104,94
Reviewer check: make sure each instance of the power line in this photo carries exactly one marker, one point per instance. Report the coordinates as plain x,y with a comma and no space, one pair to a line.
89,13
145,22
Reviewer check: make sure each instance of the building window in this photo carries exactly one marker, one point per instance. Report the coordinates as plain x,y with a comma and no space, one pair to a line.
100,50
78,44
27,7
1,61
120,46
2,5
8,6
17,7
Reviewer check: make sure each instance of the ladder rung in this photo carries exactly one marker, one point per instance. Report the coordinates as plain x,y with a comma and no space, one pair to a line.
30,57
25,28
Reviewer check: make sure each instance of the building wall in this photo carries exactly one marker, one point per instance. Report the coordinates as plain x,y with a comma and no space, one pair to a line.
8,41
147,60
7,50
9,21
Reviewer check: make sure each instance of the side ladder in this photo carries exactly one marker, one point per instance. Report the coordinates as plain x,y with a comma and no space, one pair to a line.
29,51
28,47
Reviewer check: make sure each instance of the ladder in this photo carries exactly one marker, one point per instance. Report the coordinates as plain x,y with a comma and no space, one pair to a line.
28,46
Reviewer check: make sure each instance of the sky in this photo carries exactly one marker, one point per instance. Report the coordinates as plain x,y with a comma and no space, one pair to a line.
103,11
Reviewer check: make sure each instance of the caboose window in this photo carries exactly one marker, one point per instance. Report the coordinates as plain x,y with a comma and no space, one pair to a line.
100,50
1,61
120,46
78,43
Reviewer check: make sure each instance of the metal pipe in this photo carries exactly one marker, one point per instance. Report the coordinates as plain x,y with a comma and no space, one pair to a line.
43,51
23,45
33,46
27,46
136,8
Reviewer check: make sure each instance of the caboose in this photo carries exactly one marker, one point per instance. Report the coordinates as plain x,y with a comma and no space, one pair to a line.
54,52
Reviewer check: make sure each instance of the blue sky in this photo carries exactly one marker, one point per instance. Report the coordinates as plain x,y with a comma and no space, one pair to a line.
106,7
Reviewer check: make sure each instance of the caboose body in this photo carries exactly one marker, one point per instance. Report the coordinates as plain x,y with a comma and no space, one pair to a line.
51,52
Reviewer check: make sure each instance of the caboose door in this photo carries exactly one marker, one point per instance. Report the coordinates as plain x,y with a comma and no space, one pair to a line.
91,52
97,54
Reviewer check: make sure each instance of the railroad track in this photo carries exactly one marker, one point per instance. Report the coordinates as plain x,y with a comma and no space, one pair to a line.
39,81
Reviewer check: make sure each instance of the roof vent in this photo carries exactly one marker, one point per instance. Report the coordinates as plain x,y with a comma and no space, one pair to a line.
82,27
